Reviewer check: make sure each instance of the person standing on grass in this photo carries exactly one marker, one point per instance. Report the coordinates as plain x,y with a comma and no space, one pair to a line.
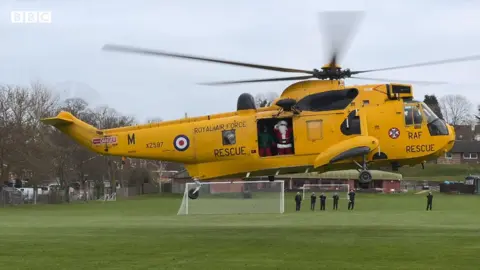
298,201
335,201
429,201
313,201
323,199
351,199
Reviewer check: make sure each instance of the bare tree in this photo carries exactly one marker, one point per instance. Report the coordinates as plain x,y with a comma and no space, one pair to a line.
26,148
39,152
456,109
265,99
107,118
80,158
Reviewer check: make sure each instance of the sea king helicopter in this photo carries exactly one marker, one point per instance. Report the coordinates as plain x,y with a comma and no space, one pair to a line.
316,125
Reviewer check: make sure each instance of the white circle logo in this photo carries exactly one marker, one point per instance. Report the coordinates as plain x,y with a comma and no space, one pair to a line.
394,133
181,142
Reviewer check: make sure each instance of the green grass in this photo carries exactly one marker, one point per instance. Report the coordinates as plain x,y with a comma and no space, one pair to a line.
439,172
383,232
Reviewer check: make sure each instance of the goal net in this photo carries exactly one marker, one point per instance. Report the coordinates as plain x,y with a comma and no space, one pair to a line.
327,189
237,197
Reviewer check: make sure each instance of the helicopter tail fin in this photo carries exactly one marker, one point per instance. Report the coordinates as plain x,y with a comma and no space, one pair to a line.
58,121
75,128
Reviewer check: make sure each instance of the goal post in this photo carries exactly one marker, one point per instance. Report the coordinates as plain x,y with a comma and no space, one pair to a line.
327,189
234,197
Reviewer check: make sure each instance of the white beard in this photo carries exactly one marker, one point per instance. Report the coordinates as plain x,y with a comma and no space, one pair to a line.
283,131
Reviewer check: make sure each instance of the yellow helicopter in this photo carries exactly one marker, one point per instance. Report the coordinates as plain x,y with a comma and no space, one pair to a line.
315,125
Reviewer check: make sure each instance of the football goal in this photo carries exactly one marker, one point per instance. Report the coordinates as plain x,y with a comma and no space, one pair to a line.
328,189
233,197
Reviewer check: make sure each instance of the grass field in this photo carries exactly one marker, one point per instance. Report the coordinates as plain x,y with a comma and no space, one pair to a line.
383,232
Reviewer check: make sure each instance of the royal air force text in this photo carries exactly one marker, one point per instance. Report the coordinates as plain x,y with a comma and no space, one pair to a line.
220,127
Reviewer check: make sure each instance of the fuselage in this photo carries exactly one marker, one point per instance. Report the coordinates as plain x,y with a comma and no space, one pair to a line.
267,141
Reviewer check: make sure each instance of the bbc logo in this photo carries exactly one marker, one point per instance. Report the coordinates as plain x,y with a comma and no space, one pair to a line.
31,16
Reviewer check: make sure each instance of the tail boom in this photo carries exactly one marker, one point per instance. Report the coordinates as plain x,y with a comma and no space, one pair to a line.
156,143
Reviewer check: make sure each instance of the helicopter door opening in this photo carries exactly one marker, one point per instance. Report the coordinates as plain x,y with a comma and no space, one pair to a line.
275,137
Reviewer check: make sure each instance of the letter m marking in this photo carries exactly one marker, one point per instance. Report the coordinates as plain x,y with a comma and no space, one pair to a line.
131,139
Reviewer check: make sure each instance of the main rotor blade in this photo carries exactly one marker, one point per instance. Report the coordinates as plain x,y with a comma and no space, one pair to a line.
339,27
431,63
121,48
399,81
260,80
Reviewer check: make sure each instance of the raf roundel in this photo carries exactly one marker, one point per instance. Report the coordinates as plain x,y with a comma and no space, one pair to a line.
394,133
181,142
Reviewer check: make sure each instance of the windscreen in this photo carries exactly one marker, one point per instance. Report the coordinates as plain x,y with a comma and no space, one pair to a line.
436,126
429,114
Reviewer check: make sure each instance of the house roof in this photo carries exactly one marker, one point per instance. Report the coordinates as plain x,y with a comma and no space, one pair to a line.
464,132
466,147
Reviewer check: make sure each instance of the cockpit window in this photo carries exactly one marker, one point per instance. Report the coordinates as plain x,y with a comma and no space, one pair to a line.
429,114
436,126
413,115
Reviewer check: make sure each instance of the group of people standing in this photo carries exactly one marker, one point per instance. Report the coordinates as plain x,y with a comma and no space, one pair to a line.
351,201
323,200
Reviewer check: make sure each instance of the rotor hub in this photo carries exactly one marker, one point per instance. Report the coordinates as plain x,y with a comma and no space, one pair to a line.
330,72
331,66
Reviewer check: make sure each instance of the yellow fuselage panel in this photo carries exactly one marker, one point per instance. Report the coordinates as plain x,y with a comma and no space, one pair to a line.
225,138
172,142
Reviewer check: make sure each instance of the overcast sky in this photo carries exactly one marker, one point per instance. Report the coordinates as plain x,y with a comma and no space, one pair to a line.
67,52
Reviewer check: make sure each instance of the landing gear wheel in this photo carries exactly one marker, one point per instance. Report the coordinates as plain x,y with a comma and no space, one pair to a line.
365,177
192,194
271,178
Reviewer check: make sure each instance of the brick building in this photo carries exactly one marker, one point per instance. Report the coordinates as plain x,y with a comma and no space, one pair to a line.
466,149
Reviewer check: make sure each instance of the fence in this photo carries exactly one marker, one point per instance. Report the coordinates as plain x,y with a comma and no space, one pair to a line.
10,196
414,185
146,188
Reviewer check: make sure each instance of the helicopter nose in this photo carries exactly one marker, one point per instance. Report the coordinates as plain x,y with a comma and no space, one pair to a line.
451,138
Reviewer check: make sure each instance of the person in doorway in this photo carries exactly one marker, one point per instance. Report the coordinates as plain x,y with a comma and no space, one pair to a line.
323,200
265,142
351,199
335,201
298,201
313,201
429,201
283,134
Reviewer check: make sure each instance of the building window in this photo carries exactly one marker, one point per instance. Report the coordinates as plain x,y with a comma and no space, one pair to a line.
470,156
448,155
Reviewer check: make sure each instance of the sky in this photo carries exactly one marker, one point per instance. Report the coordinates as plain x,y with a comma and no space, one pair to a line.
66,54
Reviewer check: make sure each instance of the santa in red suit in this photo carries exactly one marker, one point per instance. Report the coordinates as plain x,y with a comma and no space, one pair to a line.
284,138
